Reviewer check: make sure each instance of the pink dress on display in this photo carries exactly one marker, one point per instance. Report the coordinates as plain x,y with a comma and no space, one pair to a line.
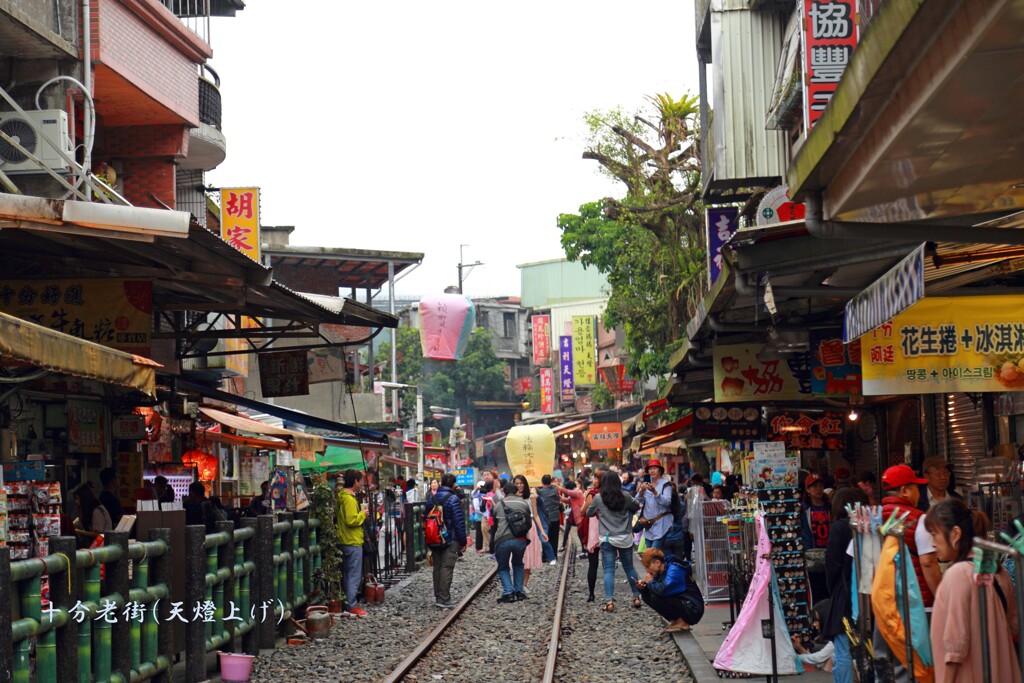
532,559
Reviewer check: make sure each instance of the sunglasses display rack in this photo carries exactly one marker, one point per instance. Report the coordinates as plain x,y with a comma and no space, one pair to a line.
782,509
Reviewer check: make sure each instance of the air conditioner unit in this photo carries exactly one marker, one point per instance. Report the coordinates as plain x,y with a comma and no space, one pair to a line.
53,123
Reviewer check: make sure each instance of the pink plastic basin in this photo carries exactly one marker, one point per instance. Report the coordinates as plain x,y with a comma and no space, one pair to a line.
235,668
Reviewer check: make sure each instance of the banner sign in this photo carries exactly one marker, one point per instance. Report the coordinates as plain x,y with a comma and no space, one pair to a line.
948,345
605,435
807,429
584,351
740,377
112,312
541,339
284,373
240,219
829,31
835,367
896,291
728,423
773,467
522,385
721,223
547,390
85,426
565,364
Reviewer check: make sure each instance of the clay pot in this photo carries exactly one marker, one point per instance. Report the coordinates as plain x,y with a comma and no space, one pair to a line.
334,606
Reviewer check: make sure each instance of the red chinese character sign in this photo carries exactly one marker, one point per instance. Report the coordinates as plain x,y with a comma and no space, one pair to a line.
530,450
541,339
547,390
829,33
813,430
741,376
240,219
835,366
446,321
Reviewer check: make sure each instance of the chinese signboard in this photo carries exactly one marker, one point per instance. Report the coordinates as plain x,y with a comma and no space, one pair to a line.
541,339
614,377
947,345
565,364
740,376
128,428
240,219
284,373
896,291
729,423
85,426
114,313
584,367
605,435
721,224
829,31
835,367
772,467
522,385
815,430
547,390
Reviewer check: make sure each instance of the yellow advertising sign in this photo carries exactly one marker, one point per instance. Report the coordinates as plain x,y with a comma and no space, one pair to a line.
530,450
947,345
741,376
584,367
238,362
112,312
240,219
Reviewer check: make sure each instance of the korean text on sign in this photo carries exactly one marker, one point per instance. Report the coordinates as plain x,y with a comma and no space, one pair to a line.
584,349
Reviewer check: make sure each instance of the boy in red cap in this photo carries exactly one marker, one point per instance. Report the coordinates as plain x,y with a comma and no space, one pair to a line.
900,485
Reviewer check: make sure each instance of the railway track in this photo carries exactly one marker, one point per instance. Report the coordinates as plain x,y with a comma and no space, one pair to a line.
457,613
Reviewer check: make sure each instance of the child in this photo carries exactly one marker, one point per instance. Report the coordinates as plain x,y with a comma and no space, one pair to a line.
820,654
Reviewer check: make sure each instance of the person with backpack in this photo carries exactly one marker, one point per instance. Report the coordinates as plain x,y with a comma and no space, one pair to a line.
349,527
615,515
552,504
445,530
513,519
670,591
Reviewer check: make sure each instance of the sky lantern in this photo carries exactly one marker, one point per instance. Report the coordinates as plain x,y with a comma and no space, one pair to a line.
446,321
530,450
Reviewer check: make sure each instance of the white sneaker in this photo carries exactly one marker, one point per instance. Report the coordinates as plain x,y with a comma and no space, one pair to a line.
553,562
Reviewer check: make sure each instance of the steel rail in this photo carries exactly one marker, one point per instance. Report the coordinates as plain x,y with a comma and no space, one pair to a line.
556,623
424,645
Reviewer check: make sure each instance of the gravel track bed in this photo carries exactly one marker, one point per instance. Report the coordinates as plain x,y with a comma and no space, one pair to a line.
624,645
370,648
496,642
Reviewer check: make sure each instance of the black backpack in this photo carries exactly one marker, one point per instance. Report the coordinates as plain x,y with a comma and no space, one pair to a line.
549,498
517,520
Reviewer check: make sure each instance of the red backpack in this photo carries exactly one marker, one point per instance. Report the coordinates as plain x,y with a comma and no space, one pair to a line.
434,529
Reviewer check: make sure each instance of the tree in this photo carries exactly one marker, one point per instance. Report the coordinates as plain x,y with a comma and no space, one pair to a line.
650,243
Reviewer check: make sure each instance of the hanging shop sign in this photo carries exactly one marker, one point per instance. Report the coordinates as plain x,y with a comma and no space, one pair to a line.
541,339
773,467
899,289
835,366
565,365
86,433
948,345
777,207
547,391
614,377
808,429
240,219
829,34
605,435
112,312
522,385
584,352
128,428
655,408
740,376
326,365
728,423
284,373
720,223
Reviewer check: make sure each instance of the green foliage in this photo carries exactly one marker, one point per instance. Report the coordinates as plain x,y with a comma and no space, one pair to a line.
322,506
602,396
650,243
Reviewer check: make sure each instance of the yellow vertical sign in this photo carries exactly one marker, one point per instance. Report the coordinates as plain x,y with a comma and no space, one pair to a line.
240,219
584,354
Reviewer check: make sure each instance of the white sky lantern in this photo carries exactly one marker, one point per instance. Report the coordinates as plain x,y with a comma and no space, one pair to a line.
530,450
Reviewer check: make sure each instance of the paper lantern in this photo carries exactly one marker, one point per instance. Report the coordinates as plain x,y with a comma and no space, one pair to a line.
530,450
205,463
446,321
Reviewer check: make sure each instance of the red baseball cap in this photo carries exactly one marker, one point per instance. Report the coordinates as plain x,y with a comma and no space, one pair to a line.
811,480
900,475
655,463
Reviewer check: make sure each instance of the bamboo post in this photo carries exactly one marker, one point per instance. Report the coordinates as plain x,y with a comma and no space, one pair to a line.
249,590
265,573
6,637
195,594
226,561
64,591
160,570
119,587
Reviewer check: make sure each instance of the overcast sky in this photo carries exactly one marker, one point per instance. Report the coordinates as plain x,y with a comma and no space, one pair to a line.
417,126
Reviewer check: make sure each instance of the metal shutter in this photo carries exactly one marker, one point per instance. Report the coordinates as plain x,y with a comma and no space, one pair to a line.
965,436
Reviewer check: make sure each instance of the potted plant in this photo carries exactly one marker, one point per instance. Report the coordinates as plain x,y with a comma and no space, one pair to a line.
327,577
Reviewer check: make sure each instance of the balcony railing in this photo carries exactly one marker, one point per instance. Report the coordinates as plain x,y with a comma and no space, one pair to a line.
195,14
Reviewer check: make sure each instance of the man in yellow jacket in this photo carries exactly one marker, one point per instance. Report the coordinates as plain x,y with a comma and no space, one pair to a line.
349,524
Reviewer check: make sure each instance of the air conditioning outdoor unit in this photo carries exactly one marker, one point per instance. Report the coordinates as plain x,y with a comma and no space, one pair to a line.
26,131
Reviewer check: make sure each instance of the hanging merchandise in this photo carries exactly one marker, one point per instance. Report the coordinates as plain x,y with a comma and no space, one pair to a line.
446,321
530,450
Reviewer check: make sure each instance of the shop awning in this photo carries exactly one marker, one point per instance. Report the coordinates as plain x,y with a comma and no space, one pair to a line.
304,446
45,348
335,459
238,440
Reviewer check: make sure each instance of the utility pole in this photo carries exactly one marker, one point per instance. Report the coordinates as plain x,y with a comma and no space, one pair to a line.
468,266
